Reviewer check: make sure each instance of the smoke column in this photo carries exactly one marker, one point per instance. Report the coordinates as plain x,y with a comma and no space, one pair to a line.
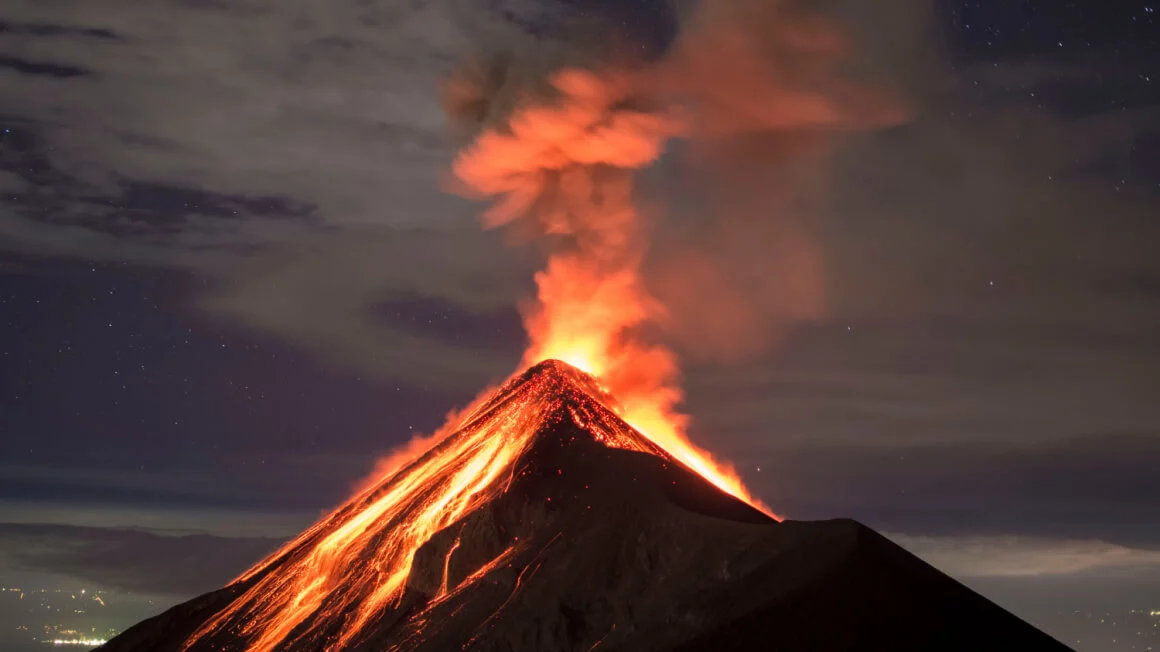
560,160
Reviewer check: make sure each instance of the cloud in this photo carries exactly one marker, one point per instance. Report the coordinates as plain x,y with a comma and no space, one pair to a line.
1016,556
267,99
225,139
1093,487
165,520
323,294
130,560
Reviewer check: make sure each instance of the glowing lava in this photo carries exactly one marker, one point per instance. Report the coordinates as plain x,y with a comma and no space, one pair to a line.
334,579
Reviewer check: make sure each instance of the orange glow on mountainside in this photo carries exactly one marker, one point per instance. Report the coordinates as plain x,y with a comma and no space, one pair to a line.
353,565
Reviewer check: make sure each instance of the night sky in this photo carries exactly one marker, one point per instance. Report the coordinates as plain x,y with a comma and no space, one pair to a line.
231,279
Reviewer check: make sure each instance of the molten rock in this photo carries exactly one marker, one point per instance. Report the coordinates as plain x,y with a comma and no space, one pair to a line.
547,523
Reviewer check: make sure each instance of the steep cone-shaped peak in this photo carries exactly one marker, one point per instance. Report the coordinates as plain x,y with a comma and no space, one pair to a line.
553,391
545,522
559,371
327,587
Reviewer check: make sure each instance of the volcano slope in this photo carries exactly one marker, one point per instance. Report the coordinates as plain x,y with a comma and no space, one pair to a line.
577,534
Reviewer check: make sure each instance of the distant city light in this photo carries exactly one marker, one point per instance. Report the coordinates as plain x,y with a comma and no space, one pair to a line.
79,641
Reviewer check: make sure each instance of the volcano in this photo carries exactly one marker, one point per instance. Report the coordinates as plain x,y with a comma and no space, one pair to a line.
545,522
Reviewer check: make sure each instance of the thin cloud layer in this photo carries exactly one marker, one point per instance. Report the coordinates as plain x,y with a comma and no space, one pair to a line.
1015,556
130,560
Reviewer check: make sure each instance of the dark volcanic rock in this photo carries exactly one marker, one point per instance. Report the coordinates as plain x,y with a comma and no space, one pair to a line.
592,547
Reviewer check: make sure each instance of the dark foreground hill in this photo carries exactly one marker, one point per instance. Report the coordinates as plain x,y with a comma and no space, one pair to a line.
588,538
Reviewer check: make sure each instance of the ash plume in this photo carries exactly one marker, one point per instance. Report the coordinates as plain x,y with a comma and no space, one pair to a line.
557,145
755,91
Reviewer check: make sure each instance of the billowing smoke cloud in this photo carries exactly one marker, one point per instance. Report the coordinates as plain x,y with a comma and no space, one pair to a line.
772,86
742,105
756,91
559,155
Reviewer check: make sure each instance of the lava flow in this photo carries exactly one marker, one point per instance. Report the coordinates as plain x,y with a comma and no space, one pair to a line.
353,565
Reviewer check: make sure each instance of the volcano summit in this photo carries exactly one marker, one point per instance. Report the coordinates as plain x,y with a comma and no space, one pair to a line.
545,522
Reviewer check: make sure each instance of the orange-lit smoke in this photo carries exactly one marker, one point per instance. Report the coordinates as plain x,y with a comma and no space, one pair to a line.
769,90
564,161
568,164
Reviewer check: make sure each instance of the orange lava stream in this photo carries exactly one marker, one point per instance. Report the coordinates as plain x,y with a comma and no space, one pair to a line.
362,559
354,564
